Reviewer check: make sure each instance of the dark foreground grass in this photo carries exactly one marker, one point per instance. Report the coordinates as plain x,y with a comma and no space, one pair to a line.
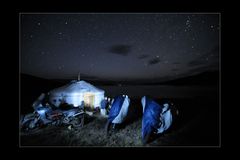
197,125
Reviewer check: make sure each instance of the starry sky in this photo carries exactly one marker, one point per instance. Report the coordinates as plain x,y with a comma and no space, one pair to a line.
118,46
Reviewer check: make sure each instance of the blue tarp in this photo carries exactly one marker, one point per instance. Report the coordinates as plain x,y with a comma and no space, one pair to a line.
116,107
156,118
119,109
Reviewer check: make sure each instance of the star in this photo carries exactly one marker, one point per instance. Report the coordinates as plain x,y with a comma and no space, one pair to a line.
38,23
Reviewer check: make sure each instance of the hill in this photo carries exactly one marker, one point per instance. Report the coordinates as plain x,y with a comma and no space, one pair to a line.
205,78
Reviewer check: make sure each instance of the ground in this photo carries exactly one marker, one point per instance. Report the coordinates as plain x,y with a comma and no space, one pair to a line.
197,125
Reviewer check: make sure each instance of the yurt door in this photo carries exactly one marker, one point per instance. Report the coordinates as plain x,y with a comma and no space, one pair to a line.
88,98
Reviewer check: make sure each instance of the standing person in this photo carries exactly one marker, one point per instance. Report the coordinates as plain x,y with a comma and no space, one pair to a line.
103,108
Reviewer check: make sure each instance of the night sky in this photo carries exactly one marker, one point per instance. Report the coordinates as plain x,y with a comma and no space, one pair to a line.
118,46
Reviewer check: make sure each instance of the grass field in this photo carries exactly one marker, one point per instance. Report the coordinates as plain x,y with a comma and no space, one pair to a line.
197,125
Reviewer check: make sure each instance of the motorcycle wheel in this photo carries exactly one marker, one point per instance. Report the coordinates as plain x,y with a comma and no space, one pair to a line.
27,128
78,121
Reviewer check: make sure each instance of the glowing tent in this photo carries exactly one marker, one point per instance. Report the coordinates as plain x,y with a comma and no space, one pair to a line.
77,93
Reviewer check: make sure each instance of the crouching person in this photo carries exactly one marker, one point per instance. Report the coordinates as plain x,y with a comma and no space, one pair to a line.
156,119
118,112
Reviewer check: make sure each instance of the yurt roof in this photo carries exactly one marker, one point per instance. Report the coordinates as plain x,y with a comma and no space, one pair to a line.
75,88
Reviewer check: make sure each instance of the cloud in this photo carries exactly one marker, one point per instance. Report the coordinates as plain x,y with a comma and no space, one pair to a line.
154,61
143,56
123,50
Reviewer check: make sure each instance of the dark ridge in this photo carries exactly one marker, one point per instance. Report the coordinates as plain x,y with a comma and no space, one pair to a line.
205,78
31,88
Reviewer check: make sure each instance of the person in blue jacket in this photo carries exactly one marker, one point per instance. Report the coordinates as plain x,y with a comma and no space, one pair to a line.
156,118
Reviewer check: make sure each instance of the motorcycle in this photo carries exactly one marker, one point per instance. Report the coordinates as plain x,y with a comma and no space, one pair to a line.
45,115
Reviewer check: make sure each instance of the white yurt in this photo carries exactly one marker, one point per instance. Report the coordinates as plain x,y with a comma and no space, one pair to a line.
77,93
